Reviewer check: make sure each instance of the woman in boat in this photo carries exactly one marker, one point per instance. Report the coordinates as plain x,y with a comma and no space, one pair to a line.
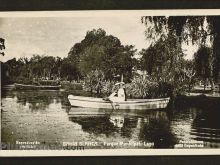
120,94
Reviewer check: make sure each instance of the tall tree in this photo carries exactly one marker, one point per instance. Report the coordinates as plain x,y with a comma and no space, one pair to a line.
102,52
68,70
188,28
163,59
202,63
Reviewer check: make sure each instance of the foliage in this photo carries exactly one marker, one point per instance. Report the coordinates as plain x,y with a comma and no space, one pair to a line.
140,86
102,52
37,67
163,57
164,61
68,70
189,74
107,87
203,62
197,29
2,46
10,70
72,86
93,81
145,86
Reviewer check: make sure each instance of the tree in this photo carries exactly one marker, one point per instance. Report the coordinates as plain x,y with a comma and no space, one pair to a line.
56,71
202,63
35,66
94,82
141,87
91,59
68,70
2,46
10,71
102,52
188,28
189,73
164,61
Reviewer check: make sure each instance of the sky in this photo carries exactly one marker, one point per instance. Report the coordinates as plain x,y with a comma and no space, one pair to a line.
54,36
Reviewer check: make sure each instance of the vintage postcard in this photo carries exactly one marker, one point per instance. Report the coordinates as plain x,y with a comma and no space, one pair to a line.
92,83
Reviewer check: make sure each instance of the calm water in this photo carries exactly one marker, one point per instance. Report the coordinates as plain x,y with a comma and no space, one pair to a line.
46,117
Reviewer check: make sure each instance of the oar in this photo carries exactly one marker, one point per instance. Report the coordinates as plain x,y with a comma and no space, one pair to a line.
111,102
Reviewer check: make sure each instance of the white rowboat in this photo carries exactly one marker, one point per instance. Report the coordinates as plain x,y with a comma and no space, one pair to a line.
136,104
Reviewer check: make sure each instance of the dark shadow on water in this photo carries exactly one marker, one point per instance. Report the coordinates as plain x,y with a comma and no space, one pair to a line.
158,131
151,127
129,124
206,126
107,124
95,124
202,114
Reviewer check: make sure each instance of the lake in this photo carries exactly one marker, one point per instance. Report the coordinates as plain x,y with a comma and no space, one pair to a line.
46,117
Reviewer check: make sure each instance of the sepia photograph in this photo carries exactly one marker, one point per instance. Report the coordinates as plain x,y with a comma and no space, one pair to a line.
110,81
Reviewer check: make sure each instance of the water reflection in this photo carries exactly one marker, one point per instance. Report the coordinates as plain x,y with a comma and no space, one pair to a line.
158,130
46,116
205,126
35,100
151,127
117,121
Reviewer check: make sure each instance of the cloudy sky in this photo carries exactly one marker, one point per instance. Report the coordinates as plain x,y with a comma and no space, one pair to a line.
54,36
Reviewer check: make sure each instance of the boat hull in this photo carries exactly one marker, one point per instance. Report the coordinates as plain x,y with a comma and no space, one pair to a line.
136,104
35,87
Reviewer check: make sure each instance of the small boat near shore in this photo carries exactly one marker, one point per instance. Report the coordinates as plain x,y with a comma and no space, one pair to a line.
36,87
136,104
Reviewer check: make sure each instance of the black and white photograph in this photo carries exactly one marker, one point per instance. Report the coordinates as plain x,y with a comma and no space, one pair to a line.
110,81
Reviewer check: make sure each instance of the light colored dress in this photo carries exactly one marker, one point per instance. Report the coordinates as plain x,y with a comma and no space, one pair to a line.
119,98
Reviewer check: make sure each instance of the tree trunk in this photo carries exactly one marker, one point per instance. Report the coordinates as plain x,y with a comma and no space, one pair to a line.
204,81
189,85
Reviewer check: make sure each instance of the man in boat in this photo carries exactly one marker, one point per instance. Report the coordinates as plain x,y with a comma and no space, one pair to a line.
120,94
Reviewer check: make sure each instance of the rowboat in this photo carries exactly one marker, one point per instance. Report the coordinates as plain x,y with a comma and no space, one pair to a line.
36,87
134,104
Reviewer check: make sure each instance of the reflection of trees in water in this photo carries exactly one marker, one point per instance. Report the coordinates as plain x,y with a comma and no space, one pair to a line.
95,124
207,119
153,127
107,124
184,112
129,124
156,128
196,123
35,100
199,124
206,126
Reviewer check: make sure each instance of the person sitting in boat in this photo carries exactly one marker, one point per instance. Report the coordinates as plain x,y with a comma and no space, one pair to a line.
120,94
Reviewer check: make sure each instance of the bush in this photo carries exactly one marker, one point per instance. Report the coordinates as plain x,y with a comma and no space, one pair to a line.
144,86
73,85
23,80
48,82
94,81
